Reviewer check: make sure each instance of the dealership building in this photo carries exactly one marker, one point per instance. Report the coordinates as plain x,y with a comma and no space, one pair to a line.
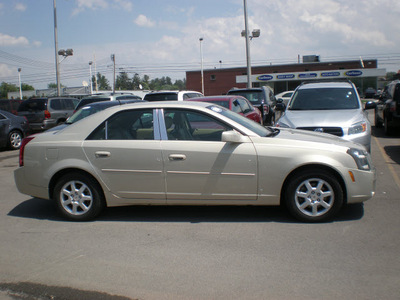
363,73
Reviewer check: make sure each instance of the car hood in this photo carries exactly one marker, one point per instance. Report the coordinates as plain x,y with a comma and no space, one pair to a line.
323,118
305,138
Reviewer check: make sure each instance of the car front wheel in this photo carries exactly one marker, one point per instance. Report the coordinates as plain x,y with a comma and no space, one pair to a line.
314,196
14,140
78,197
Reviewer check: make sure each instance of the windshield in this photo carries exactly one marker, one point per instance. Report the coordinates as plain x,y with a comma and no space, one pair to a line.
324,99
161,97
253,126
85,112
255,97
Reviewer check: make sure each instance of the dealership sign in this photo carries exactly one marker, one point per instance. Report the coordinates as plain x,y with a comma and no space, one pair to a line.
314,75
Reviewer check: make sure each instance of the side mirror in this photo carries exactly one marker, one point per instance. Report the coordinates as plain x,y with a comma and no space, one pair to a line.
233,137
279,100
280,106
370,105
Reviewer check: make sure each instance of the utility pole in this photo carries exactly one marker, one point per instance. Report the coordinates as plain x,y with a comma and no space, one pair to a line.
202,72
113,60
20,85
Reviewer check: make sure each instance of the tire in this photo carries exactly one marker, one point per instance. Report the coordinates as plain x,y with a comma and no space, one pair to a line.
14,140
313,196
378,122
78,197
387,127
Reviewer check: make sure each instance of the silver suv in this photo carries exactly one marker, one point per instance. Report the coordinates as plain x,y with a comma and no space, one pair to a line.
45,113
329,107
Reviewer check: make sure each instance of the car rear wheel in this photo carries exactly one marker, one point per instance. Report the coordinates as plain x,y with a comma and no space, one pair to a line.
314,196
14,140
378,121
78,197
387,127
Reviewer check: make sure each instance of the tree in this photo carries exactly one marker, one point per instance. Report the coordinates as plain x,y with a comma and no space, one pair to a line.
5,88
27,87
54,85
123,82
102,82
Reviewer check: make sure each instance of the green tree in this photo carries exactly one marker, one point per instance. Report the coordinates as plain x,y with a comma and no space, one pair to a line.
123,82
102,82
27,87
6,88
54,85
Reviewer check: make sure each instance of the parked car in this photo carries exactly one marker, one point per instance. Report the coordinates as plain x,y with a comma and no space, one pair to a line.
235,103
328,107
387,110
45,113
12,130
10,105
106,97
263,98
369,93
191,153
171,95
285,96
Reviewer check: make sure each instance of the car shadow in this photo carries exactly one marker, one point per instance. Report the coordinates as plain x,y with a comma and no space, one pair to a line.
380,133
393,152
45,210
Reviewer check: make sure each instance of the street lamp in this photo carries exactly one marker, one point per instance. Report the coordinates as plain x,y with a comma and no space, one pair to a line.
20,86
245,33
202,72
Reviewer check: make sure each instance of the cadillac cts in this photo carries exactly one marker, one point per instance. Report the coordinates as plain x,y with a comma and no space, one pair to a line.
191,153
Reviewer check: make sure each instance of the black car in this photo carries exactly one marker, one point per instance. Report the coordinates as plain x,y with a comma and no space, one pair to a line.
387,111
12,130
106,97
263,98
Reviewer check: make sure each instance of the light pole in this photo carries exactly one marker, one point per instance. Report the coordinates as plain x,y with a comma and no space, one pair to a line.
90,79
113,60
202,72
20,85
56,49
245,33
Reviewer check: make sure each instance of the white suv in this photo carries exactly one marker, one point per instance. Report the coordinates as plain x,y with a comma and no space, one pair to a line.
172,95
329,107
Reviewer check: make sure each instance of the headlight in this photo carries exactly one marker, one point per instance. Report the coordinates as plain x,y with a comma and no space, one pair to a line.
359,127
283,125
361,157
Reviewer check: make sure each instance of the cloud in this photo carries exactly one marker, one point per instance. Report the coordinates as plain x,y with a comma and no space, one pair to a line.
89,4
143,21
7,40
20,7
83,5
5,71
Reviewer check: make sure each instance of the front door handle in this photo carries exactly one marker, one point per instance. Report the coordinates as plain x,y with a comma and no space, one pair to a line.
177,157
100,154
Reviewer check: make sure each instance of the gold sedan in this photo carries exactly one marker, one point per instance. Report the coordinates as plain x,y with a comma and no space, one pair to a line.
191,153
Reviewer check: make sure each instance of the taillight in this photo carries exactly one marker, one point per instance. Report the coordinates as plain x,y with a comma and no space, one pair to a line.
392,107
266,109
24,142
47,114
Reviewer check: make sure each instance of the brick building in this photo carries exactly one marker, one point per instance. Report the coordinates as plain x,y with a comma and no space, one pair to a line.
285,77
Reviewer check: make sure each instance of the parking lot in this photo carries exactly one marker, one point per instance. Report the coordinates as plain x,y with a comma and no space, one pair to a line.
204,252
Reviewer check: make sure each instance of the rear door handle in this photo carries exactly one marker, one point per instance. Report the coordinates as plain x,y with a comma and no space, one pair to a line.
100,154
177,157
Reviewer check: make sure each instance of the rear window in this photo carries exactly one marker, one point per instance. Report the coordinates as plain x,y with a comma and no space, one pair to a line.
161,97
33,105
255,97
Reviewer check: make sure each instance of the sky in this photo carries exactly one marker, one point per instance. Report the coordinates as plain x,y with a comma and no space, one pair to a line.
162,37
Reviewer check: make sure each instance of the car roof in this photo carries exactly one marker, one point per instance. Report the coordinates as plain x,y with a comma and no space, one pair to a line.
319,85
217,98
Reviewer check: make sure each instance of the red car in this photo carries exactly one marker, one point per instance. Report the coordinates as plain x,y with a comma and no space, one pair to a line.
234,103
